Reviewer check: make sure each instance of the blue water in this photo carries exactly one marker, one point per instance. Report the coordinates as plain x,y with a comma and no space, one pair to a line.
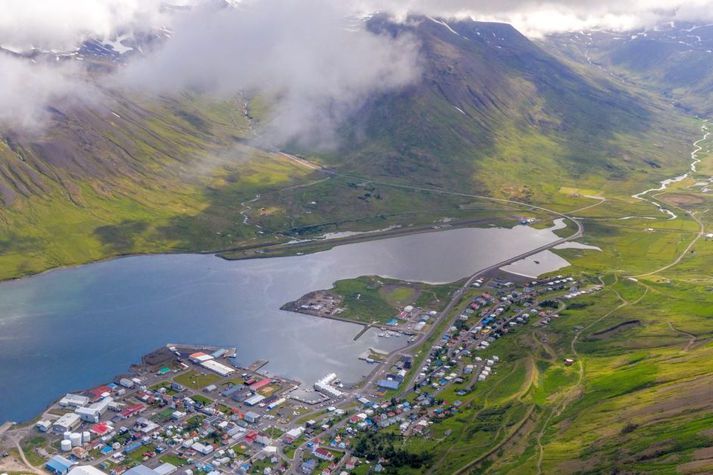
75,328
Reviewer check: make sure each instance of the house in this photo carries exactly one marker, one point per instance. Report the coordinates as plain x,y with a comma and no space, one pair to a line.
293,434
133,447
59,465
308,466
351,463
132,410
323,454
204,449
99,392
251,417
263,440
101,429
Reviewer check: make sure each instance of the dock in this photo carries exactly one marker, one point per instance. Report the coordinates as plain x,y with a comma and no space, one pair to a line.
257,365
364,329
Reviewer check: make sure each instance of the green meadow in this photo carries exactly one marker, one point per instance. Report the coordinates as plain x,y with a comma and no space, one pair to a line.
638,398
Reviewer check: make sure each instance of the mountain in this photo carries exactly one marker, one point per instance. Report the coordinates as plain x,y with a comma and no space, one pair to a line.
502,112
675,59
492,113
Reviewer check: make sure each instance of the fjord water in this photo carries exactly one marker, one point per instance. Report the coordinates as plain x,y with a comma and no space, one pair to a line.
74,328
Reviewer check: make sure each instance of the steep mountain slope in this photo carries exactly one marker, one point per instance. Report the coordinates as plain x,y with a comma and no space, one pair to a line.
491,102
100,181
492,113
675,59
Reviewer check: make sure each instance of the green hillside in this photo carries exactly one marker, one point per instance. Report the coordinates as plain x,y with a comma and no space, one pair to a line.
496,113
492,114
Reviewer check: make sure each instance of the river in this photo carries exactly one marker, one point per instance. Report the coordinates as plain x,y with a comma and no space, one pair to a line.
70,329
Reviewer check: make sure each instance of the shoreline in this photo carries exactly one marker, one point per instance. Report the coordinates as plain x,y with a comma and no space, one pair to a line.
293,248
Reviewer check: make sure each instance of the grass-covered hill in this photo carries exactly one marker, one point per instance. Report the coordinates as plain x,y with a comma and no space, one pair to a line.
492,113
495,112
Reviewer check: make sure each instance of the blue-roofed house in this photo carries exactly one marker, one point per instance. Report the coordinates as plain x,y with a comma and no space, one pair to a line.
308,466
388,384
59,465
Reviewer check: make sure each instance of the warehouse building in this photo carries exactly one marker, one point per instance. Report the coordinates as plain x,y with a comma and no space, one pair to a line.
219,368
74,400
59,465
66,423
254,400
86,470
93,412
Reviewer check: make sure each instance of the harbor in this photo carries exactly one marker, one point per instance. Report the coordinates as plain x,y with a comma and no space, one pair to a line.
194,409
74,328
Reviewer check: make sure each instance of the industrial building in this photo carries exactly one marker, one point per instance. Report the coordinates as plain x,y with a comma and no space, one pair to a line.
85,470
254,400
74,400
219,368
93,412
59,465
324,386
66,423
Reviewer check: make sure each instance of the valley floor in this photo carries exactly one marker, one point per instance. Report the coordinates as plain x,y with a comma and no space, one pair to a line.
638,397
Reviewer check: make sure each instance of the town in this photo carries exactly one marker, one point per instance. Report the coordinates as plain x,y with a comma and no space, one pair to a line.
193,410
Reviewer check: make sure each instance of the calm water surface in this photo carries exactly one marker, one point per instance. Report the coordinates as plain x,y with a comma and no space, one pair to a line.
74,328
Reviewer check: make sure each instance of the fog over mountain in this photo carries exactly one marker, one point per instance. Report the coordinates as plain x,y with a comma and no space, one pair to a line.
314,61
315,58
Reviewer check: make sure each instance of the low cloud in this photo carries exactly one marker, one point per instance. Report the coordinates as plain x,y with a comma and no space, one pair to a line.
313,60
62,25
540,17
27,89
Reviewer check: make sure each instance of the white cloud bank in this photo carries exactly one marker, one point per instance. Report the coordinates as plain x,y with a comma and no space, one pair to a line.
314,61
63,24
311,55
540,17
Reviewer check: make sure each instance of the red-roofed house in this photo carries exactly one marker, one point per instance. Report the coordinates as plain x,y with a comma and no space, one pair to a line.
323,454
132,410
260,384
251,436
101,429
100,392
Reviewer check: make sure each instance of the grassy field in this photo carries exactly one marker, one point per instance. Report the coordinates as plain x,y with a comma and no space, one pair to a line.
637,399
195,380
181,176
376,299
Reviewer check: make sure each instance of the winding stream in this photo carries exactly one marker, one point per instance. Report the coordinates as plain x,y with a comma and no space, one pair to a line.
664,184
